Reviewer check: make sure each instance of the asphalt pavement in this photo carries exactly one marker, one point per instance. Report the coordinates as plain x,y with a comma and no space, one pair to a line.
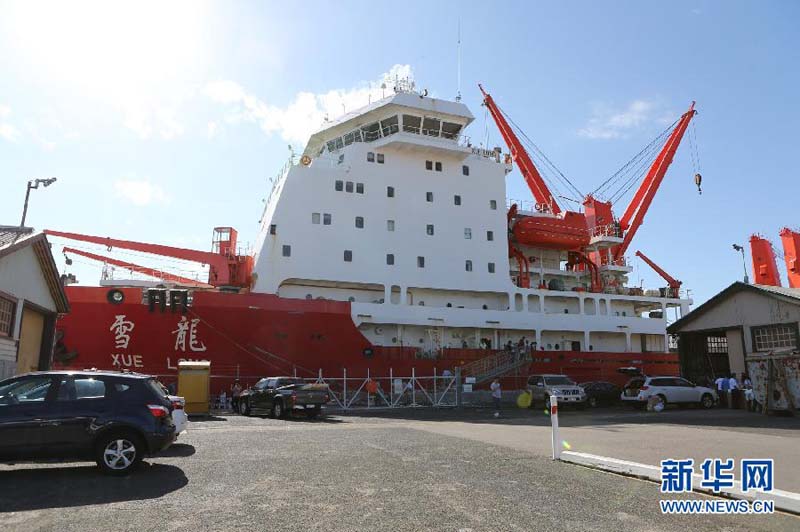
373,472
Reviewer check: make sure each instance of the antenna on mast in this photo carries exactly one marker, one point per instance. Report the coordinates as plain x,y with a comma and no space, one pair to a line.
458,93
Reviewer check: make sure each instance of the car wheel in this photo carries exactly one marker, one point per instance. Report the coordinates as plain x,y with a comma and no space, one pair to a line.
663,399
277,409
592,401
707,401
244,408
119,453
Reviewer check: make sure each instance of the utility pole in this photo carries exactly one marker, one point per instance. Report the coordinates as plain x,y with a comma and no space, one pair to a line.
34,183
737,247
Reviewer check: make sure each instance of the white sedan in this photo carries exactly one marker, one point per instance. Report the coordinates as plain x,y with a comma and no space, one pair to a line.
639,390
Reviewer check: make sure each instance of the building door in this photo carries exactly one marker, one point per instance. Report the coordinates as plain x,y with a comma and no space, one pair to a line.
30,341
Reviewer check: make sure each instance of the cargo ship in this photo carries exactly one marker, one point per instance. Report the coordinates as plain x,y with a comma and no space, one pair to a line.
389,245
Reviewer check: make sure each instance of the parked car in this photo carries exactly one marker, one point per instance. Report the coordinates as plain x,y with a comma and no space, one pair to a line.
671,390
179,416
112,417
281,396
601,393
541,387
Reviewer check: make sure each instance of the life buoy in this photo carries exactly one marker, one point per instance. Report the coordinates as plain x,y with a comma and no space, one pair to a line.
305,160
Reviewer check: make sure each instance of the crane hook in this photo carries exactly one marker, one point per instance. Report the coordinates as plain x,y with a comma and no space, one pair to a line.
698,179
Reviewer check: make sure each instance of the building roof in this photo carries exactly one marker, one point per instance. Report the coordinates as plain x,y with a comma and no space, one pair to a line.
13,239
789,295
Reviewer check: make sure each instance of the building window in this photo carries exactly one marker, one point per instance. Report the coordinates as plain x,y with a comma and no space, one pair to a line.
359,188
273,229
468,265
326,219
6,316
457,200
380,158
348,187
493,204
339,186
429,196
390,259
489,235
348,255
438,166
465,170
315,218
390,225
467,233
429,229
370,157
717,344
287,251
360,222
491,267
389,192
774,337
420,262
428,165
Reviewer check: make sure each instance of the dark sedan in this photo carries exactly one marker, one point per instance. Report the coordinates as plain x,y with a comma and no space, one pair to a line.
601,393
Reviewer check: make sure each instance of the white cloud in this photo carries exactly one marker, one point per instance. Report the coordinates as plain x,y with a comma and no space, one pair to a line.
140,192
213,129
607,123
147,121
7,130
307,111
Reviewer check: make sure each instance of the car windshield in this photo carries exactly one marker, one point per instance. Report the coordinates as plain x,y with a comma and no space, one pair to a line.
560,379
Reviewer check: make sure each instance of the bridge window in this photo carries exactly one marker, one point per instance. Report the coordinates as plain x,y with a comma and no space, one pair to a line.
431,126
450,130
390,126
371,132
411,123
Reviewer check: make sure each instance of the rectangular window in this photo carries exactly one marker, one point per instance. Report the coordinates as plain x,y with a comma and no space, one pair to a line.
717,344
273,229
491,267
390,259
389,192
438,166
465,170
315,218
468,233
339,186
489,235
326,219
456,200
370,157
429,196
431,126
359,188
774,337
428,165
380,158
468,265
360,222
390,225
429,229
348,255
420,262
287,251
6,316
412,123
493,204
348,187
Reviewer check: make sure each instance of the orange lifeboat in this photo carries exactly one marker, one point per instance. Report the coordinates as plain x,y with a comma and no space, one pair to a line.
568,231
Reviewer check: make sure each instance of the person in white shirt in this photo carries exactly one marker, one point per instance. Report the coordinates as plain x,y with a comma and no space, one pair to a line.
733,384
497,393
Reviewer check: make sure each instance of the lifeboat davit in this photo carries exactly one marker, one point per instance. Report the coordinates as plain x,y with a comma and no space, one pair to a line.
566,231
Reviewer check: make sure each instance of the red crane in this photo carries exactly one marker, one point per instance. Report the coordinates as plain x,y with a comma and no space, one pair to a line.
152,272
225,267
673,284
791,253
765,269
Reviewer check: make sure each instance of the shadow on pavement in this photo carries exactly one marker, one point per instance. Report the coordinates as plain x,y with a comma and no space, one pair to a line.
178,450
67,487
198,418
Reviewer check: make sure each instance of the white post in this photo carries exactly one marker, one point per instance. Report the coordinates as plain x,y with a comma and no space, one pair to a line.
344,380
554,422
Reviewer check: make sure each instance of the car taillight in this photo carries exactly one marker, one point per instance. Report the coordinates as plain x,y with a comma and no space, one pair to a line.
177,405
644,387
158,411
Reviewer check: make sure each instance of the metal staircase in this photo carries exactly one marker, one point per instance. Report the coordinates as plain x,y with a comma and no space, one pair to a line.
496,365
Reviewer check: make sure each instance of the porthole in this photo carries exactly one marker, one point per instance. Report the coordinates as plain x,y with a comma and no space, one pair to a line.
115,297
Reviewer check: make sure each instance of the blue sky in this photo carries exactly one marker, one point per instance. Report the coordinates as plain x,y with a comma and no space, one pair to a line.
163,120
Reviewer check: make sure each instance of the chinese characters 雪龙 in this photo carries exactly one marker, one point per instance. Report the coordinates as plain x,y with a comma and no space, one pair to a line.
186,326
121,328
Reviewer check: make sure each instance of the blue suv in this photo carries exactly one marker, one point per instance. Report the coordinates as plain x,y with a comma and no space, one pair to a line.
115,418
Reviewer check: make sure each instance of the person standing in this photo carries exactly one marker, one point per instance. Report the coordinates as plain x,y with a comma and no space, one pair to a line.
749,394
236,391
497,394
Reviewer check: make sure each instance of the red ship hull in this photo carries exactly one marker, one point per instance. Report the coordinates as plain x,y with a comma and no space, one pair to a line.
251,335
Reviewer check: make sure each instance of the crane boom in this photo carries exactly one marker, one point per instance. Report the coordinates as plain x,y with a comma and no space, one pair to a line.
634,215
219,273
151,272
671,281
520,156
